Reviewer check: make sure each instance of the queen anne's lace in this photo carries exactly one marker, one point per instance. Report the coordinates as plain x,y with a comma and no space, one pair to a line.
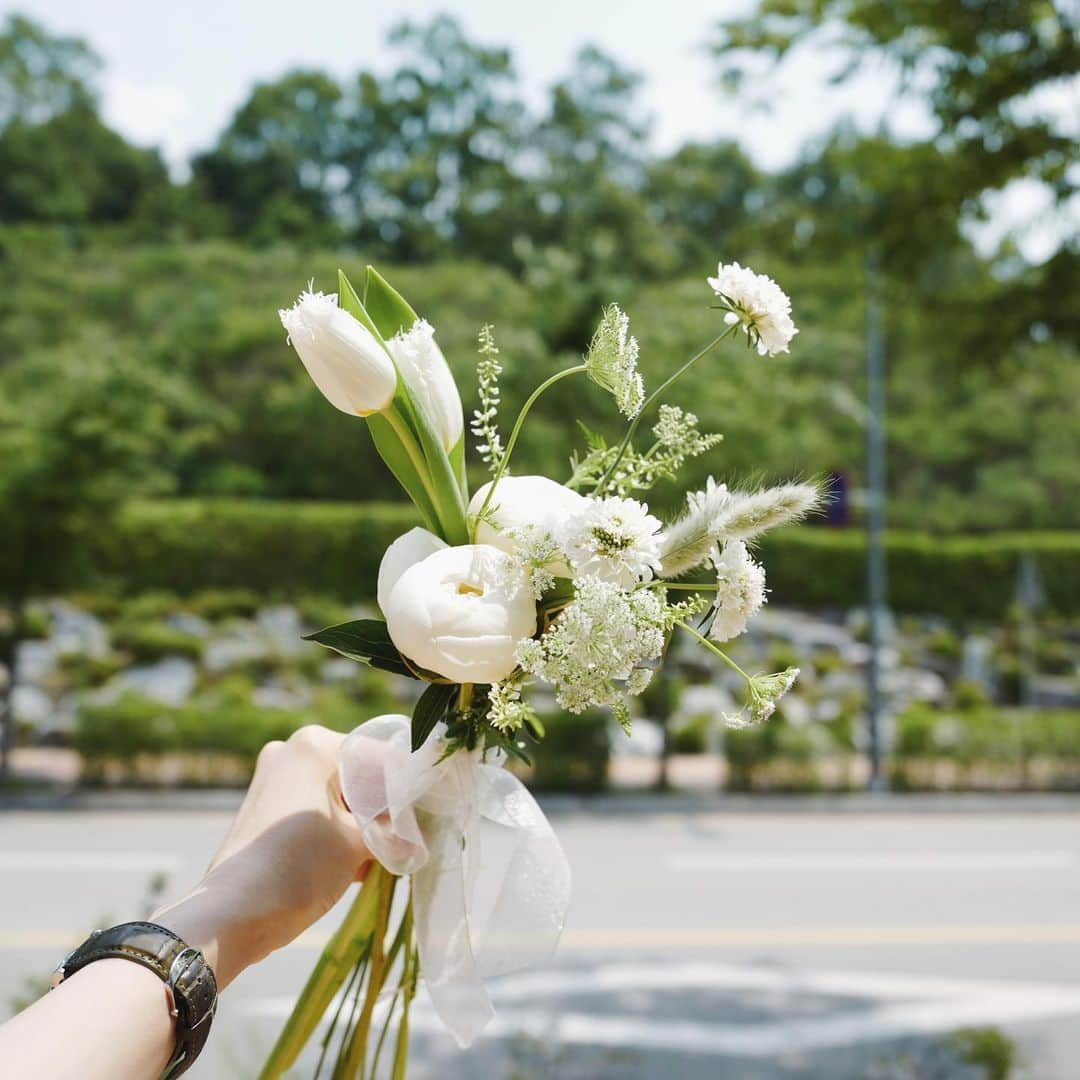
611,361
605,635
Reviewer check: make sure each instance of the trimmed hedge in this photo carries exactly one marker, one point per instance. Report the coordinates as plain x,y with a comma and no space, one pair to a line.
292,548
958,577
272,548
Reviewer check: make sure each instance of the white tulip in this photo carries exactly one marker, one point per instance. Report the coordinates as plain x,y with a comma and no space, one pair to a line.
427,375
521,501
341,355
407,550
461,613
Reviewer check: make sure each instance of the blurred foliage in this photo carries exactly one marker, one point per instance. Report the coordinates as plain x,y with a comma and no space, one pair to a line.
227,556
486,205
986,746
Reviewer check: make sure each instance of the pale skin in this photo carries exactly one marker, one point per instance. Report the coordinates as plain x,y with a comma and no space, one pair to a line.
291,852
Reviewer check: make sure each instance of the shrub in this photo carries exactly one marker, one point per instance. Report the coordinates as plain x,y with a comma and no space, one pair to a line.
957,577
334,549
215,604
150,641
573,755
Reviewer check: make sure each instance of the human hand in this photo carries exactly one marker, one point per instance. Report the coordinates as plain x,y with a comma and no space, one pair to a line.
292,850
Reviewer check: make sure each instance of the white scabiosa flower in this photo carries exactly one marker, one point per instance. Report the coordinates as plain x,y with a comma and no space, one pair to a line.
614,540
611,361
341,355
740,591
757,304
460,613
427,375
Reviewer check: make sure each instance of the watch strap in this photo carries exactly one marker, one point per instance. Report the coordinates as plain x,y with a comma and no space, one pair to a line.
189,982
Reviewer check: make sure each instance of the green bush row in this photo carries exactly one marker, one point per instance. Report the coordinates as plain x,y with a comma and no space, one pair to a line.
291,548
987,735
126,740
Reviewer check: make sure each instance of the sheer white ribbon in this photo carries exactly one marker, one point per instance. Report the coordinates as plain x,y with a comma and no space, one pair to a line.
491,885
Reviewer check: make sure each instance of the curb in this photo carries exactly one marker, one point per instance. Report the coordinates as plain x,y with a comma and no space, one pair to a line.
613,804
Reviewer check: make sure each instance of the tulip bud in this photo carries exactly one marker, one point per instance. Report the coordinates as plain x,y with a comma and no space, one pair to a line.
341,355
461,613
427,375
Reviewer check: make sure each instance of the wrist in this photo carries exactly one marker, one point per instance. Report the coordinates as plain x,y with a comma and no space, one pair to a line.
206,920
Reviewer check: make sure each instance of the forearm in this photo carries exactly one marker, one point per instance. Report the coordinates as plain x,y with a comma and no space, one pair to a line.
113,1017
109,1020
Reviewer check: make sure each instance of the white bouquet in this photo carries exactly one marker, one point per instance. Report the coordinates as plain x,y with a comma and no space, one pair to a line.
573,583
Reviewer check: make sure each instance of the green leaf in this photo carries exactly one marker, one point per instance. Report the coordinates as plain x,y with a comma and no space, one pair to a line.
387,308
398,461
430,709
365,640
350,302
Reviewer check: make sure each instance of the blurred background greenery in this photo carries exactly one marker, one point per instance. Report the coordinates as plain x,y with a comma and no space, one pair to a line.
179,503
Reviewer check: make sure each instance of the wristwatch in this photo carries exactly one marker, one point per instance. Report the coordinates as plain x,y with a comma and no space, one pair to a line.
189,983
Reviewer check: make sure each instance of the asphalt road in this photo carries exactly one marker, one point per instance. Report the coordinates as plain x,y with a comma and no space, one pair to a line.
698,945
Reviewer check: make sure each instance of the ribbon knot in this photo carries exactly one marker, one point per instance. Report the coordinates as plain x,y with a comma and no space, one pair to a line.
490,881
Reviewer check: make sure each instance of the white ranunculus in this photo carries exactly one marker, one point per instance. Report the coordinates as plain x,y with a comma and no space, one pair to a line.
461,613
341,355
427,375
407,550
521,501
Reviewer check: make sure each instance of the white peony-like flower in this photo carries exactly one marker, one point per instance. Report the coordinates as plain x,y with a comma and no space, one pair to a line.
757,304
341,355
614,539
427,375
460,612
740,590
407,550
525,507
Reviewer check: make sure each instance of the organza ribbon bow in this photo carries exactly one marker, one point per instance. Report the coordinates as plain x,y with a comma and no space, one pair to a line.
490,882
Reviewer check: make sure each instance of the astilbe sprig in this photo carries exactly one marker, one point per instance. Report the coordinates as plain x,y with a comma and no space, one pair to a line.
485,420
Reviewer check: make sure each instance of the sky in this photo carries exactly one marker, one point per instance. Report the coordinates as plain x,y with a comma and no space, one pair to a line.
174,73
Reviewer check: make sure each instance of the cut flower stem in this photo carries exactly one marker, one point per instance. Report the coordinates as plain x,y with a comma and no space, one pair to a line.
606,478
516,430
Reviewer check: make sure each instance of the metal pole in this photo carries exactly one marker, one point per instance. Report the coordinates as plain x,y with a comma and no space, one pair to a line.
876,583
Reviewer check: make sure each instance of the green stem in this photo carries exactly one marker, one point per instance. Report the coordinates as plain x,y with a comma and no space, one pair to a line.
606,478
401,429
714,649
351,1065
529,402
338,959
678,585
404,936
401,1047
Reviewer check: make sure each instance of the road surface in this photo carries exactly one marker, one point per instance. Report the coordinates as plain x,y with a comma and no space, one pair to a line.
698,946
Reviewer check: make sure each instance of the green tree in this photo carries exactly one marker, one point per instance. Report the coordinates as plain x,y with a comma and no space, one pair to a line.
985,70
58,162
42,74
78,436
276,168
